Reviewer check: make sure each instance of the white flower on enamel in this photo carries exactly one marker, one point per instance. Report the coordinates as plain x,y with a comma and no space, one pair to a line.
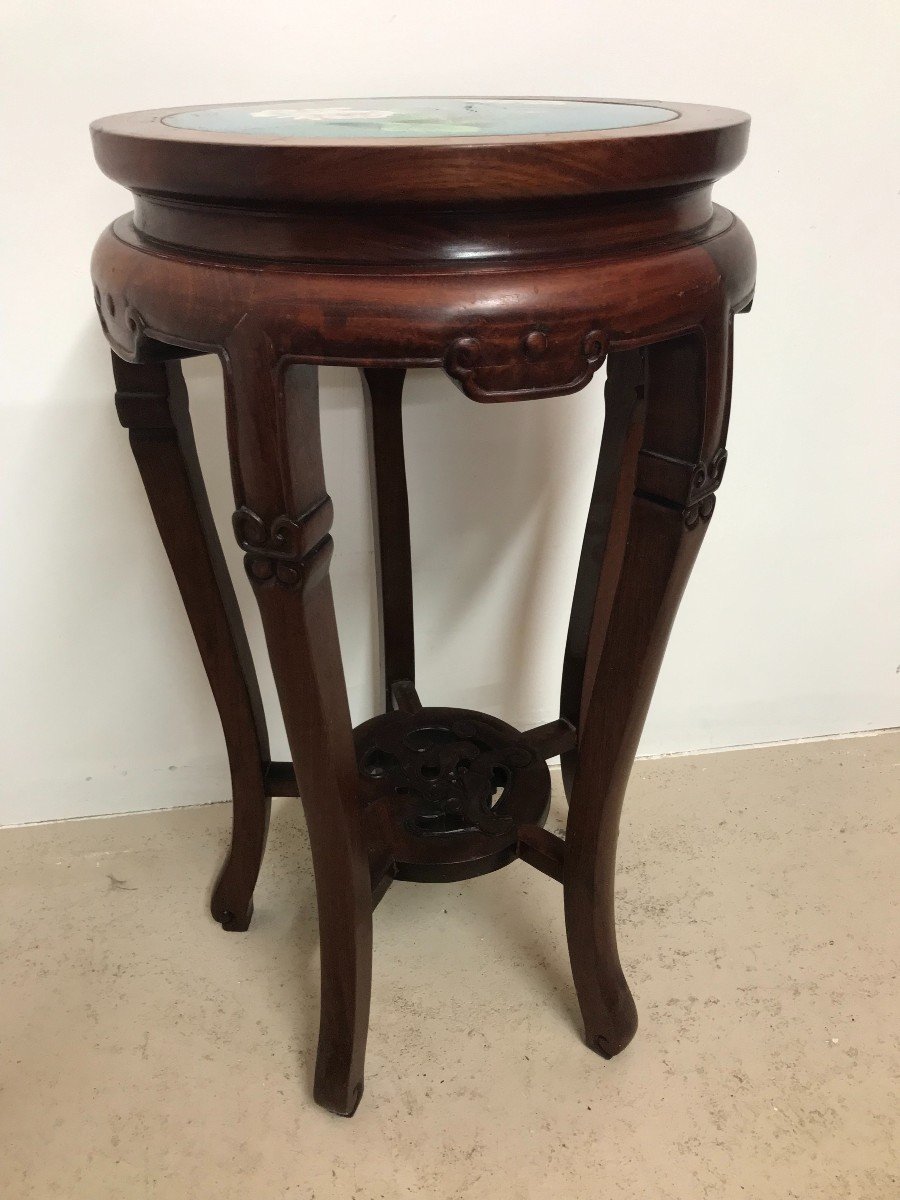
323,114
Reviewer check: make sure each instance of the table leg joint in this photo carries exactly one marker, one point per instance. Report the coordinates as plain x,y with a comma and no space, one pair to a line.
542,849
556,737
280,779
405,697
383,872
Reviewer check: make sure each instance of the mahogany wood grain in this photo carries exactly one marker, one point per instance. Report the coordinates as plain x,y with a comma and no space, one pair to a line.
383,391
152,404
604,542
345,236
274,423
678,393
148,156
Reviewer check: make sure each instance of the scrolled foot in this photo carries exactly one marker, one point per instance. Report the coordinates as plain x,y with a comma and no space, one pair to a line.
231,903
234,918
610,1035
337,1099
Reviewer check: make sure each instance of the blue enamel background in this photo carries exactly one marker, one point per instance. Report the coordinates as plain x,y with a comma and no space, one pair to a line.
415,117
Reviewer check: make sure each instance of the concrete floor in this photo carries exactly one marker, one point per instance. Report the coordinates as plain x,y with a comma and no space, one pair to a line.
146,1053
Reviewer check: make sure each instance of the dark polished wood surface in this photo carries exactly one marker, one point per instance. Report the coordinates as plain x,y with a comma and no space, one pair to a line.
519,265
145,154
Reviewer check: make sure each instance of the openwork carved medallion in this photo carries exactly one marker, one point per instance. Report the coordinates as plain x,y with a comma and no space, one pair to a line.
455,775
437,775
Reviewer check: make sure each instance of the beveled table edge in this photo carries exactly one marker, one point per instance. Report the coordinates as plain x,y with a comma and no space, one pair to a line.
701,143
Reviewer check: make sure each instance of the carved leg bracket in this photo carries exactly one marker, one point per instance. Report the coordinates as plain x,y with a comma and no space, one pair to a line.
285,551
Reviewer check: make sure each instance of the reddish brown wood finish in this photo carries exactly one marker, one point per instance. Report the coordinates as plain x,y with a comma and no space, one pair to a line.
672,399
146,155
604,542
518,265
383,390
277,460
445,791
152,404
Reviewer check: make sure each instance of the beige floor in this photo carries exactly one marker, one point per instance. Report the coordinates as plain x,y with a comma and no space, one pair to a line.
145,1053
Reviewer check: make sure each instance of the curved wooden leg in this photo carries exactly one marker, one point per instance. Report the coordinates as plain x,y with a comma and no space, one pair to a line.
152,403
383,389
282,523
677,396
604,543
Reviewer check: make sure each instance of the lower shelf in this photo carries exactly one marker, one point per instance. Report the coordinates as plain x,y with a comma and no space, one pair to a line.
448,793
445,790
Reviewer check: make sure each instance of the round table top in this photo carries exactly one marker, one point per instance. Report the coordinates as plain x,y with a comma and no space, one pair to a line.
415,117
418,149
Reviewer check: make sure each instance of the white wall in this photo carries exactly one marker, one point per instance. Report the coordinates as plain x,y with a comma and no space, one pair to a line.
789,628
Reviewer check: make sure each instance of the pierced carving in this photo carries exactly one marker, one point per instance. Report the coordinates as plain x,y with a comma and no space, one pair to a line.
542,364
455,776
445,791
285,551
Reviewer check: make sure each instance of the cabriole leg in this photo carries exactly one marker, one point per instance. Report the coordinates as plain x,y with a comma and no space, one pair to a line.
604,542
152,403
671,399
282,523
